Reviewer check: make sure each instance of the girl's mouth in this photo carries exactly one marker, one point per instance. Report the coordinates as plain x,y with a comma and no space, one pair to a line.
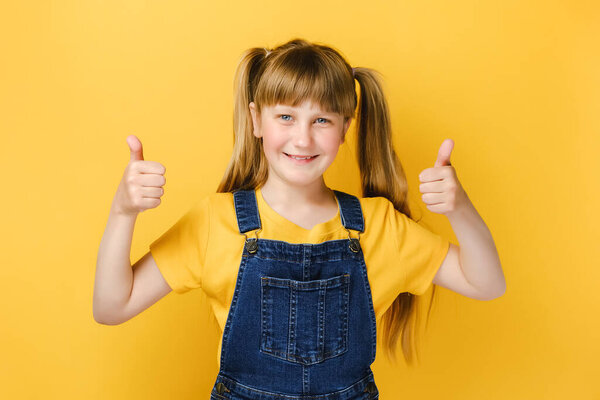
300,159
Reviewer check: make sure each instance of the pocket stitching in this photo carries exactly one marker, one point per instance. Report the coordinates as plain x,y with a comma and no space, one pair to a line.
341,281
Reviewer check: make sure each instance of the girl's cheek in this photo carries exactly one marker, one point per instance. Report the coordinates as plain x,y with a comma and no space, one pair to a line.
277,138
272,142
334,140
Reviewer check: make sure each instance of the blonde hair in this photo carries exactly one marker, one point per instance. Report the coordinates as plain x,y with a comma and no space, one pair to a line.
297,71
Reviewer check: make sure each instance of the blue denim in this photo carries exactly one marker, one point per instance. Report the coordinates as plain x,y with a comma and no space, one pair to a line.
301,323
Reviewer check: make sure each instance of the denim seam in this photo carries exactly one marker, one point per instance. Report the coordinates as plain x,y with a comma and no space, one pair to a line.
298,397
293,262
230,314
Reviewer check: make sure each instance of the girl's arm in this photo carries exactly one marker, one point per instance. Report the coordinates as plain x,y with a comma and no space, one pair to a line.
114,275
474,268
121,291
479,258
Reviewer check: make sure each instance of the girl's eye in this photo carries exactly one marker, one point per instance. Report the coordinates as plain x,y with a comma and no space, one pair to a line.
284,116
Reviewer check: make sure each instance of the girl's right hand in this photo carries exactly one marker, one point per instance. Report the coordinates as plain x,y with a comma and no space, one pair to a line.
141,185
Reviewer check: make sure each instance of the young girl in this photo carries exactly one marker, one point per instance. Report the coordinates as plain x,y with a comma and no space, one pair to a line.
300,276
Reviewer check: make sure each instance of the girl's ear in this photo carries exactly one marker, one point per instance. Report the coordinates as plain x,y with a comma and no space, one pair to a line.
255,119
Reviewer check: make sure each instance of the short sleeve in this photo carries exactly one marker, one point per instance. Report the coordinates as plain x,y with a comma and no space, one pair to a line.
421,252
181,251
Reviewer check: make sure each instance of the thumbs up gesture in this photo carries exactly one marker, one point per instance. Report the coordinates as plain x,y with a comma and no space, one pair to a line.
441,191
141,185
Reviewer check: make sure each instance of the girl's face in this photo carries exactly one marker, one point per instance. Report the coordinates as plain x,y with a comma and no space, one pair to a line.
299,131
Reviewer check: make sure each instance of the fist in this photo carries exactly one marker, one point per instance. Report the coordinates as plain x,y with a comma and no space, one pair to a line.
441,191
141,185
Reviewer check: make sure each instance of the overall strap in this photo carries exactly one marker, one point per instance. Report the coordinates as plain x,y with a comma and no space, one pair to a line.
350,211
246,210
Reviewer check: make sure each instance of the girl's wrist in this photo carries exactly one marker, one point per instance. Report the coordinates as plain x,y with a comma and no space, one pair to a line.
117,212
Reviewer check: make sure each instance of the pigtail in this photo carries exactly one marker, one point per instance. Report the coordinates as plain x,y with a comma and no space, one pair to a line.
247,166
382,174
381,171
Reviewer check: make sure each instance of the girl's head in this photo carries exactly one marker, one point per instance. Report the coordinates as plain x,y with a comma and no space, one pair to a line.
302,99
299,98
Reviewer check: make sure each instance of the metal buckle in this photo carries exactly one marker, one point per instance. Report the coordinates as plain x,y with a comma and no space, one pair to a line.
252,243
354,244
221,388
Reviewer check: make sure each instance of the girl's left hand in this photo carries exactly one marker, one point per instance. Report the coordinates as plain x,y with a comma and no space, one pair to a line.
442,192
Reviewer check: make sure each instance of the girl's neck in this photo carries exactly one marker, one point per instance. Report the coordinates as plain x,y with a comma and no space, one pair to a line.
284,196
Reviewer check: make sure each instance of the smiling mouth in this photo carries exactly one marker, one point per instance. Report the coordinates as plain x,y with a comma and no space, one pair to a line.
301,157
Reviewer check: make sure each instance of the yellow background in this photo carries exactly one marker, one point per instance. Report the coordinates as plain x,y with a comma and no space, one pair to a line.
514,83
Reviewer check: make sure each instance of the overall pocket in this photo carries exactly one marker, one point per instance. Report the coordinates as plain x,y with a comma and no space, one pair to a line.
305,322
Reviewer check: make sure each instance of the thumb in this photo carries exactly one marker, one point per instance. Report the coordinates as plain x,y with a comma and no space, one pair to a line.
135,148
443,157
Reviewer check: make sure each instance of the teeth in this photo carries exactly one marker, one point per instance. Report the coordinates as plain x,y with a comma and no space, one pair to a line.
301,158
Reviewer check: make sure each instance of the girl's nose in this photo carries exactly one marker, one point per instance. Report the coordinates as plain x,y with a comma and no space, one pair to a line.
302,135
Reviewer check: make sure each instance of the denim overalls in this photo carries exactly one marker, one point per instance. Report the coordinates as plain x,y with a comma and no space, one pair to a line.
301,324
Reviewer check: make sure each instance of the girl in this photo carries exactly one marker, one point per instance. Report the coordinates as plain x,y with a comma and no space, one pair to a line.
300,276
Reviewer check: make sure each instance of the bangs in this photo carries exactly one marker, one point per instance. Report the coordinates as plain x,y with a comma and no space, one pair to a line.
306,74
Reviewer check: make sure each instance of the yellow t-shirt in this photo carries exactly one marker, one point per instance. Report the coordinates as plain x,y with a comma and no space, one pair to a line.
203,249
